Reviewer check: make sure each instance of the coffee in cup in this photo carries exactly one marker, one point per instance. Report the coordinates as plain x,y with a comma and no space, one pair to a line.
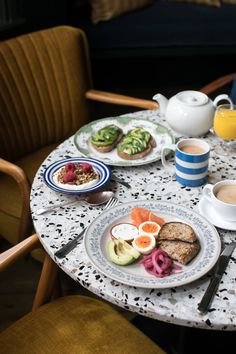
222,196
227,194
192,149
191,161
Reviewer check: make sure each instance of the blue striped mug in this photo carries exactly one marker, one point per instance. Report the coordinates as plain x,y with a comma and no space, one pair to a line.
191,161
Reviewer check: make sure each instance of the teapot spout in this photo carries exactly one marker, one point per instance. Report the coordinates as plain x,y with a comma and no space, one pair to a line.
162,101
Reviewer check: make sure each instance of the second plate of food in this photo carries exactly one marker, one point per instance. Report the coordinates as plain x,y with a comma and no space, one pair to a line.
123,141
194,253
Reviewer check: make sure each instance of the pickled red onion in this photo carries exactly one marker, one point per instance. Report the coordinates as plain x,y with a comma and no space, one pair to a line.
158,263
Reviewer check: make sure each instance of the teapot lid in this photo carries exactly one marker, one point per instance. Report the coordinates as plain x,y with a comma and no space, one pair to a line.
192,98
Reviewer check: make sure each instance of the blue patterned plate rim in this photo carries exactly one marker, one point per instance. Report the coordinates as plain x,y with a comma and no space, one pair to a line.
103,169
97,236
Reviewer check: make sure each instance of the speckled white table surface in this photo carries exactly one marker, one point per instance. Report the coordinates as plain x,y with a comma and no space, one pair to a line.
174,305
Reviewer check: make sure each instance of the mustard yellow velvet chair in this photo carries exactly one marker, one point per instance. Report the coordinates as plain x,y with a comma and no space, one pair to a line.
70,324
46,92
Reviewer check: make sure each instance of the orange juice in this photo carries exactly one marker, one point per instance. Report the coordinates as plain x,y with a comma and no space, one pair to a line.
225,123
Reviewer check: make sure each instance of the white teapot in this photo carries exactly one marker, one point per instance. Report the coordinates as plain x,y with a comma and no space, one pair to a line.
189,113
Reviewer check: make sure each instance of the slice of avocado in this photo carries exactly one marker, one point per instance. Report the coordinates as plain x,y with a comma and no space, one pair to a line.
129,249
121,258
106,136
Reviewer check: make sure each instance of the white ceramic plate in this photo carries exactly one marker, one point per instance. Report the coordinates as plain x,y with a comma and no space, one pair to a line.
97,236
103,171
207,209
161,134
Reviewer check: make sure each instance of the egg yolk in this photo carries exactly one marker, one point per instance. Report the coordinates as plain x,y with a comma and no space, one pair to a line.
150,228
143,241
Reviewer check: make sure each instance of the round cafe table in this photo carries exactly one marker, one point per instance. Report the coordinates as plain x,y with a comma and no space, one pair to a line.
174,305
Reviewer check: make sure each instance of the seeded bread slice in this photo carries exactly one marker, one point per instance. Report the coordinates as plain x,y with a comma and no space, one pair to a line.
139,155
110,147
180,251
177,231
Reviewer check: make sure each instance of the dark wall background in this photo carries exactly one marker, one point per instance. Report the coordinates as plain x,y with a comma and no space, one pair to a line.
138,76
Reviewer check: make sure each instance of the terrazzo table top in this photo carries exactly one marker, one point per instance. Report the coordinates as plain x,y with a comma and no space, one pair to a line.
174,305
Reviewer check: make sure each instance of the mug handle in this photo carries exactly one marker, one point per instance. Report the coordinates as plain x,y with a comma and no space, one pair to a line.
164,162
223,97
207,189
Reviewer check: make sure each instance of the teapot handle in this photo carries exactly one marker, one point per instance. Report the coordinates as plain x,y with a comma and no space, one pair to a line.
223,97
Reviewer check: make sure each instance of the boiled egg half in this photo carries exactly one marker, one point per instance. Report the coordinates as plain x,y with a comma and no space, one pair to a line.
144,243
149,228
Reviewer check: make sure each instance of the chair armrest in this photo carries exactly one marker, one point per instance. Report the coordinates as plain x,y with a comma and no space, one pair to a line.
19,176
49,271
115,98
15,252
218,83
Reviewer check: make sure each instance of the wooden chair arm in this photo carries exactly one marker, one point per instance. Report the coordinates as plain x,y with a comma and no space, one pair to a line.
13,170
15,252
115,98
19,176
218,83
49,271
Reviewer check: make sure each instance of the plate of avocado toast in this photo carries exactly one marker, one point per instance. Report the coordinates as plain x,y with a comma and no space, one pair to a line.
123,141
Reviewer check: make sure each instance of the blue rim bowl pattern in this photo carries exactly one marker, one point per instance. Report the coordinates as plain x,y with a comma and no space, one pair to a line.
104,171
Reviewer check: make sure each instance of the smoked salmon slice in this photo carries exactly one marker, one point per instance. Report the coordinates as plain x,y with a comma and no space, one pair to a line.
136,216
139,215
160,221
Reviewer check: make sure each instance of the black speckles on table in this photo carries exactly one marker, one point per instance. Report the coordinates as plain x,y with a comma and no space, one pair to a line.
174,305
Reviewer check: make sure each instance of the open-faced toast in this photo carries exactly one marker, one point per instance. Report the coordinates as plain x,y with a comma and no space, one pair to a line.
180,251
106,139
177,231
136,144
179,241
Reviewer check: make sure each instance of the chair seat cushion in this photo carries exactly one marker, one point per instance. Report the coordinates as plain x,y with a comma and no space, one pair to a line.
75,324
10,196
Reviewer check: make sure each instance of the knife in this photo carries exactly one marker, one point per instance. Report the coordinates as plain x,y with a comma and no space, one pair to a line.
121,181
69,246
214,283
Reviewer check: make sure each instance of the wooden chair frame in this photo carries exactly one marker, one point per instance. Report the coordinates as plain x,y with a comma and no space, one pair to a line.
218,83
49,269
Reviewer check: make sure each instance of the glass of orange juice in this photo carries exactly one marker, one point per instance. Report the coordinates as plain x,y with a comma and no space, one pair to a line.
225,128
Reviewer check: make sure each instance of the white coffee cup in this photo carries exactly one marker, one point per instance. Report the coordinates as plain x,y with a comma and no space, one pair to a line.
222,196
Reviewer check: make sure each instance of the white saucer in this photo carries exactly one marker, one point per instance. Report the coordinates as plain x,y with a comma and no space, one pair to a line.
206,209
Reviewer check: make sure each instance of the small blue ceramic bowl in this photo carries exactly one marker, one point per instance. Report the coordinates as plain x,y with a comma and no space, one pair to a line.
103,170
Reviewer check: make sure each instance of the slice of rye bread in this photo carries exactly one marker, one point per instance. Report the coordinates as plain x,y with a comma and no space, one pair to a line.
180,251
139,155
108,148
177,231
